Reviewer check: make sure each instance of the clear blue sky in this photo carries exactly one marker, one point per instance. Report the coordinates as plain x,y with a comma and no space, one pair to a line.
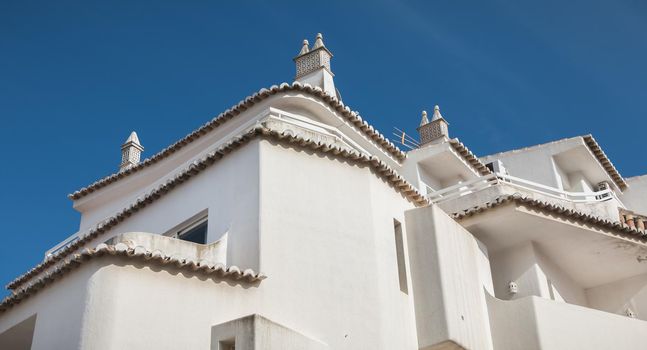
77,76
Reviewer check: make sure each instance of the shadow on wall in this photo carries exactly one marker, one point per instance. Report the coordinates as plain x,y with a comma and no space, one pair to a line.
533,274
19,337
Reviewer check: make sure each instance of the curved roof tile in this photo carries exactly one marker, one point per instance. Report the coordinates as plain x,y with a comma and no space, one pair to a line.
605,161
351,116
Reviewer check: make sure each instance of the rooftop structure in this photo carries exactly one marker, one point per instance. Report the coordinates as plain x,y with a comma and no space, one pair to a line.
289,222
131,152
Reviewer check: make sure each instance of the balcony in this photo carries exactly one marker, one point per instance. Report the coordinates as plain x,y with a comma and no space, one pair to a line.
536,323
485,189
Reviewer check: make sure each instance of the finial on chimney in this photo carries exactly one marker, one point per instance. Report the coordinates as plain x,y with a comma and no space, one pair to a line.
424,119
437,114
318,42
435,130
304,49
131,152
313,66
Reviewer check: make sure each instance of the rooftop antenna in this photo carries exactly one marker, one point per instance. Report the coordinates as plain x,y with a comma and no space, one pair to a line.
405,139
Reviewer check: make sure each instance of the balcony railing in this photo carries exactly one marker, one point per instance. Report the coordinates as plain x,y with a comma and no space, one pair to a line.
464,188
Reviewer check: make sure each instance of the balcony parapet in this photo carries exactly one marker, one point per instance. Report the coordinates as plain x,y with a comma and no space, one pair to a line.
143,248
537,323
602,204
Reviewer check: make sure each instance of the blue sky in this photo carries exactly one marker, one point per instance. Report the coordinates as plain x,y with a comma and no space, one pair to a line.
77,76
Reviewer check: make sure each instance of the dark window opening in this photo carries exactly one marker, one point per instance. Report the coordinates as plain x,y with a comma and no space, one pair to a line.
227,345
196,233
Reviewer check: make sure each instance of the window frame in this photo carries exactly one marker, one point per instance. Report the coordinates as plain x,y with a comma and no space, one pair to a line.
187,225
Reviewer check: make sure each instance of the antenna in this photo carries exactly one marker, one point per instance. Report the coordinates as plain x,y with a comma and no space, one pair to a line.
405,140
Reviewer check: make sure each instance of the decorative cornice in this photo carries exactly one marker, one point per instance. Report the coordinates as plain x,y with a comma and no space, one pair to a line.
616,227
351,116
380,168
137,254
605,161
469,157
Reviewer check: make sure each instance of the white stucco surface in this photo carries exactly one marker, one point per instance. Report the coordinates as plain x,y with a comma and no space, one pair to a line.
60,312
450,274
621,297
634,197
534,274
339,251
228,191
536,323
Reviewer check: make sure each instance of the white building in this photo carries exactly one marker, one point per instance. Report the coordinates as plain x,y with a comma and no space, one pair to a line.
289,222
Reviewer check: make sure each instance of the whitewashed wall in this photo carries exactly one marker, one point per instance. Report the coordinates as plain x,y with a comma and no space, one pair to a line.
621,296
534,323
535,274
228,190
450,275
60,312
534,164
328,245
635,197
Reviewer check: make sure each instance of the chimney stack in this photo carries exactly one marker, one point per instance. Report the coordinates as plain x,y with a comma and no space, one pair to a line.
435,130
313,66
131,152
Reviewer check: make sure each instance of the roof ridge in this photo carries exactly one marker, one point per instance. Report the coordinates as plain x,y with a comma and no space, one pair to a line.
381,169
237,109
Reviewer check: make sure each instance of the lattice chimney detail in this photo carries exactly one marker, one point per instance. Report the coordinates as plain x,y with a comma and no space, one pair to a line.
311,60
433,130
131,152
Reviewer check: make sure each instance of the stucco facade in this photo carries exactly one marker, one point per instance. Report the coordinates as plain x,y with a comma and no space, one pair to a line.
289,222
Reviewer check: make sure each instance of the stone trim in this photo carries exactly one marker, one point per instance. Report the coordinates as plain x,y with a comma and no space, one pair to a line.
352,116
605,161
469,157
137,254
618,228
380,168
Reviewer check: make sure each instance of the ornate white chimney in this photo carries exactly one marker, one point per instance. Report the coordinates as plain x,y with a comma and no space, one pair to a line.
131,152
435,130
313,66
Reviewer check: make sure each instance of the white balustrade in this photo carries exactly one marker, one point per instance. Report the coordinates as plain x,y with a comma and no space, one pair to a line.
471,186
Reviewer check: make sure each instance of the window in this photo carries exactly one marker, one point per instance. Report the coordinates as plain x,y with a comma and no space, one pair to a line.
195,231
227,345
399,251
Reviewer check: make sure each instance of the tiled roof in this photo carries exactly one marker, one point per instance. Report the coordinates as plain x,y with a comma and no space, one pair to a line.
633,220
351,116
604,160
139,255
473,160
616,227
380,168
